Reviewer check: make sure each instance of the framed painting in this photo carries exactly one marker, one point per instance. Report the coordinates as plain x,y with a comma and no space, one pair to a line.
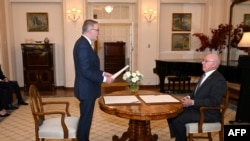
181,21
247,19
37,22
180,41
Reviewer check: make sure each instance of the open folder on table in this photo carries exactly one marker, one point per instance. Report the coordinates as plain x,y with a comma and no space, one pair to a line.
159,99
121,99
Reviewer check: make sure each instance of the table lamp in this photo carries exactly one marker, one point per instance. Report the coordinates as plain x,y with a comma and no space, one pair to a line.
244,43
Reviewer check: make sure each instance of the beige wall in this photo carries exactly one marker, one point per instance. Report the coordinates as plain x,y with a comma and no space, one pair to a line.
4,61
55,34
152,40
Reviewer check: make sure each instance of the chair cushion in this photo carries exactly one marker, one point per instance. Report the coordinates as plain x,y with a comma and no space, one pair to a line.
207,127
51,128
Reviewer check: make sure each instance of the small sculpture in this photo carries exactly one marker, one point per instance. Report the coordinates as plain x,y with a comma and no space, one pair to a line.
46,40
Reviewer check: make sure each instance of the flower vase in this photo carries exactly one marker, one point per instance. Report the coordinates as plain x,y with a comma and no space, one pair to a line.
133,87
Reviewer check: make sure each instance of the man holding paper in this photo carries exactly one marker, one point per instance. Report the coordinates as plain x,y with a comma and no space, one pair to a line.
88,76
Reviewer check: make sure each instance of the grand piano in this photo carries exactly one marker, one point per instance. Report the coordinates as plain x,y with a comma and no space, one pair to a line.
233,71
187,67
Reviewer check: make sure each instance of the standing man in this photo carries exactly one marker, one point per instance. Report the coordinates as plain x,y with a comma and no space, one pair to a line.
208,92
88,76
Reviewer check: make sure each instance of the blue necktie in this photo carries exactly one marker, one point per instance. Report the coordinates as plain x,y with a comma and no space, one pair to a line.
200,82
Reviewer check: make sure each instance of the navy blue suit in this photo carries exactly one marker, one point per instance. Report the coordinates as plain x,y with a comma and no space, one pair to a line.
210,93
87,87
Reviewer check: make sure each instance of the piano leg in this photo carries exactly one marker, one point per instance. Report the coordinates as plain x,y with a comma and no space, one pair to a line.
171,81
185,80
162,83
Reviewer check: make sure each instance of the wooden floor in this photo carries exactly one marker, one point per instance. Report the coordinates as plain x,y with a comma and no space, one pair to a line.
106,88
119,84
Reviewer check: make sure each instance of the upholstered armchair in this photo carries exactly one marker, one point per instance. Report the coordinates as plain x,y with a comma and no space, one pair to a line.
208,128
59,125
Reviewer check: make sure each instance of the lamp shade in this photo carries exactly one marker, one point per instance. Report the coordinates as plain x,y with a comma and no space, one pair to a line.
108,8
245,40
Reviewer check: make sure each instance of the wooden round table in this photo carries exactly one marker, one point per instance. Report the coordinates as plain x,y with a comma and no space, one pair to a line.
139,115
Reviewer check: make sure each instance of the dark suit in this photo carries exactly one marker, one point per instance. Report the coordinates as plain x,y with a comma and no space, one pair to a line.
10,86
210,93
87,87
3,99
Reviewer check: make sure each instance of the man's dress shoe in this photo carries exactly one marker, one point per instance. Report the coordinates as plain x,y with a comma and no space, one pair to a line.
22,103
5,115
11,107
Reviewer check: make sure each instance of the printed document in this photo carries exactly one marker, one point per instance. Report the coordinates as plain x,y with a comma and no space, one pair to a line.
119,72
121,99
158,98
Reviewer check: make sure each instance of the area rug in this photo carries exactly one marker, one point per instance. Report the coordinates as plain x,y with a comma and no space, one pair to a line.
19,126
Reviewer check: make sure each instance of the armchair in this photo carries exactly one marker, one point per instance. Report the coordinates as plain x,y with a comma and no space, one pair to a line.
203,127
54,127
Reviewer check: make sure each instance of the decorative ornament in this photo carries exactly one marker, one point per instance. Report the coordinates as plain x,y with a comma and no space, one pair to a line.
46,40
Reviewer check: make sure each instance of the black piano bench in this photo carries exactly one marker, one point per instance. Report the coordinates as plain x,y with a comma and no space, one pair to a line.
171,82
182,81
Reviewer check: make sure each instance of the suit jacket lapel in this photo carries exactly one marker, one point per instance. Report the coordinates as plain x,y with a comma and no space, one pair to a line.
204,83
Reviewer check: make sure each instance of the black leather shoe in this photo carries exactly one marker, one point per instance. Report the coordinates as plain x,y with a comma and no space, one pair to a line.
11,107
22,103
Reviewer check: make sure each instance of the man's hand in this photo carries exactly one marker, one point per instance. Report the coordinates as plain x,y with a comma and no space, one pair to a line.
6,79
107,74
186,101
109,77
109,80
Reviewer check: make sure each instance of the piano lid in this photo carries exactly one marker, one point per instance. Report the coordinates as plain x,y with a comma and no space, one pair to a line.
223,63
183,60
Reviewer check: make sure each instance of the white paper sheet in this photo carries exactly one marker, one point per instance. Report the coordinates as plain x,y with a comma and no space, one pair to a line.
119,72
158,98
124,99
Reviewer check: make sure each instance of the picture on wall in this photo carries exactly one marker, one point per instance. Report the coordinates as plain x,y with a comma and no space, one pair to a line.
180,41
37,22
181,21
247,19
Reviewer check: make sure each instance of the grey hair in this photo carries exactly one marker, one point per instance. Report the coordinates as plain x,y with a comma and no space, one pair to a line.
87,24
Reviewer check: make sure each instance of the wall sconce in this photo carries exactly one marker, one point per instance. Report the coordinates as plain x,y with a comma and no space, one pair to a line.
74,14
150,15
244,43
108,8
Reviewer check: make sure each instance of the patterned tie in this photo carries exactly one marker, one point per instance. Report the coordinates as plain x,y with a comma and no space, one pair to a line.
200,82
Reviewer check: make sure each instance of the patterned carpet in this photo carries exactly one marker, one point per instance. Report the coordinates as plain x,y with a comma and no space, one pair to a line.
19,125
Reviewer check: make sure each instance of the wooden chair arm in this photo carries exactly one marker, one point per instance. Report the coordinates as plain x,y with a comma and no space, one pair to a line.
65,129
202,117
59,102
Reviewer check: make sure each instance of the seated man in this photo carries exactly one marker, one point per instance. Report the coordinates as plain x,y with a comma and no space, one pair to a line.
3,99
208,92
11,86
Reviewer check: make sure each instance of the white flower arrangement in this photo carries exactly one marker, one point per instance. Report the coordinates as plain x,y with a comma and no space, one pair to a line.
132,77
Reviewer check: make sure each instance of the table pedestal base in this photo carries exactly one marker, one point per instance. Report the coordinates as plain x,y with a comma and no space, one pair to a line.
138,130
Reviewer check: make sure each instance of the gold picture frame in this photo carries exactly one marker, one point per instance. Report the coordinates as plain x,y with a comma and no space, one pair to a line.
181,21
37,22
180,41
247,19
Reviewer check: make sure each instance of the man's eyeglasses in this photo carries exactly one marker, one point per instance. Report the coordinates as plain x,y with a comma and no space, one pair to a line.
96,30
205,61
